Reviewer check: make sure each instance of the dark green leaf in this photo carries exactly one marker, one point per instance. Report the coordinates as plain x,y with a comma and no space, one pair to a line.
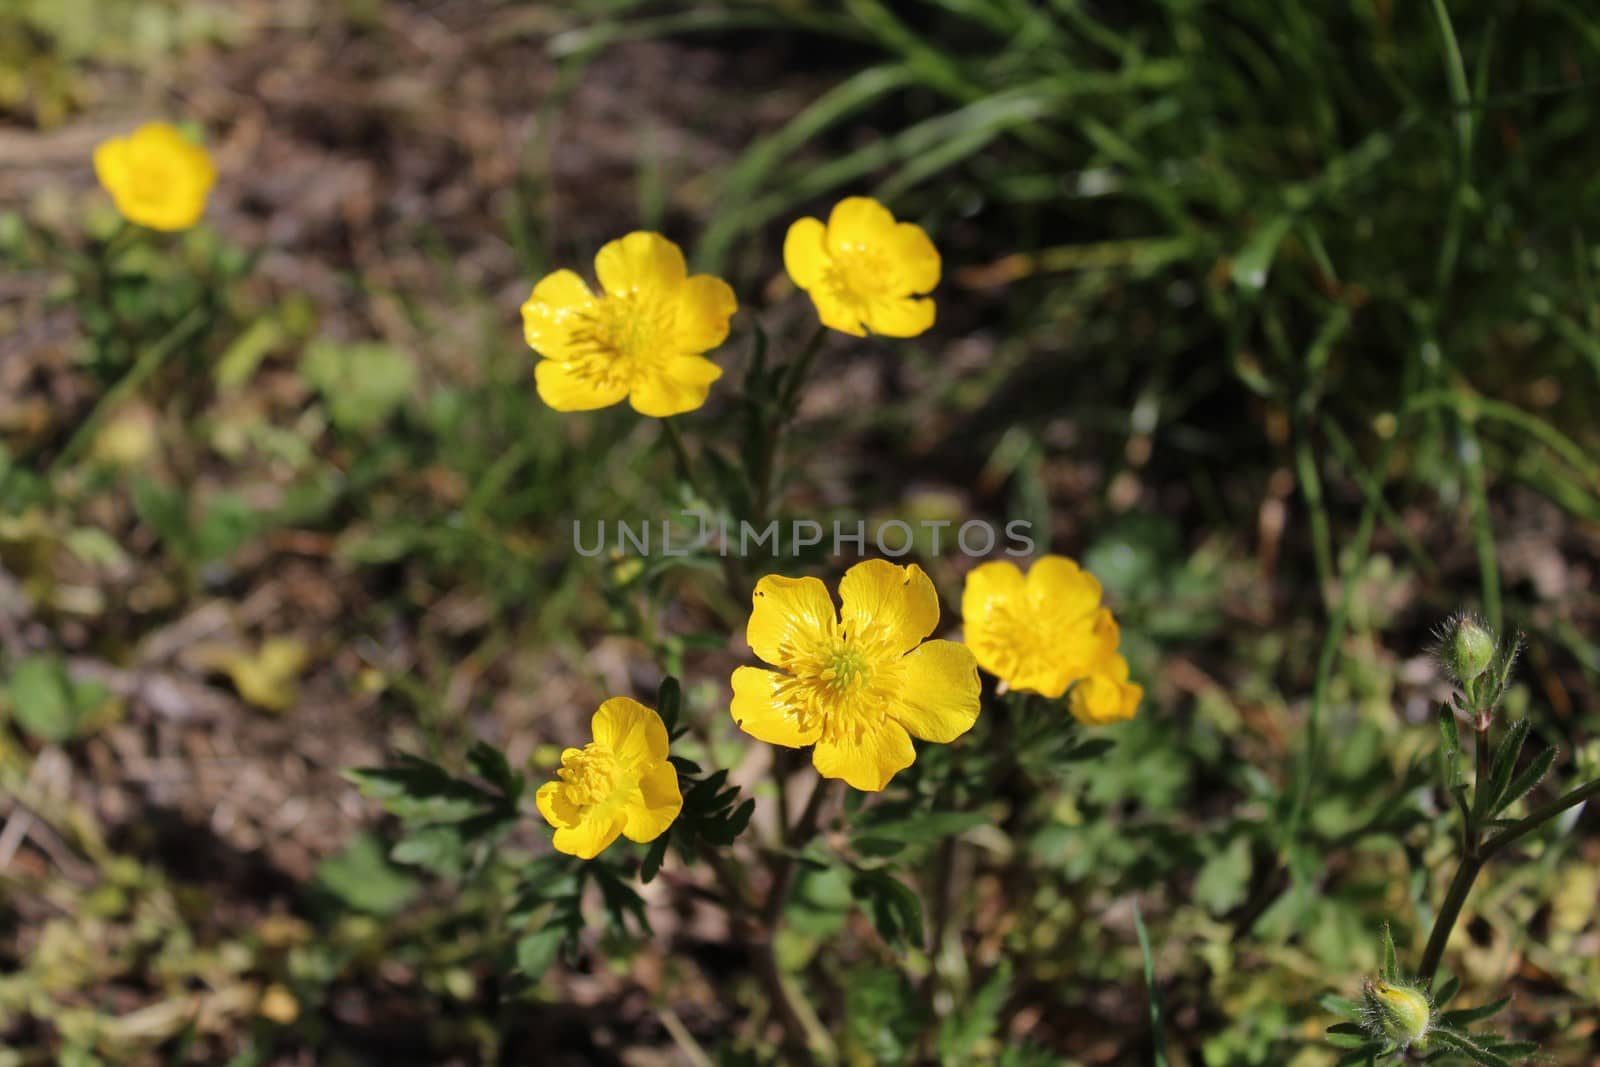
650,866
1504,762
365,880
419,791
669,702
1462,1043
1390,968
1365,1054
490,764
537,951
1337,1005
440,849
894,908
1524,782
1089,750
1468,1016
923,828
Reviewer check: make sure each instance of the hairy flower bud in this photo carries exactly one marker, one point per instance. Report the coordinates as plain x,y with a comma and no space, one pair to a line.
1398,1012
1468,647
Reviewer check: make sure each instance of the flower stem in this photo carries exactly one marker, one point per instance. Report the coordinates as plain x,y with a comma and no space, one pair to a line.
1539,816
806,1031
788,386
1449,912
1472,862
146,365
680,455
799,370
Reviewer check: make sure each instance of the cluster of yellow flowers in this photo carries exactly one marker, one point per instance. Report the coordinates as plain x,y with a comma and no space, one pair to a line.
855,682
644,333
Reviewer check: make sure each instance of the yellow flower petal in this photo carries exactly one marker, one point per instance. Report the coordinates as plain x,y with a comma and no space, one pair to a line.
889,606
558,303
634,733
837,312
789,615
552,802
705,304
916,261
591,836
661,804
866,757
762,708
641,262
857,223
680,385
805,253
1105,696
900,318
577,385
991,586
1059,587
941,694
111,165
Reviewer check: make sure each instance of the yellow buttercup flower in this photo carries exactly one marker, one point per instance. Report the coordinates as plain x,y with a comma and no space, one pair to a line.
1106,695
1040,633
856,683
865,272
640,337
620,784
156,176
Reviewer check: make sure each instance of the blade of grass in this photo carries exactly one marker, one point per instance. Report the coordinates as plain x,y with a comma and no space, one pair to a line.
1158,1033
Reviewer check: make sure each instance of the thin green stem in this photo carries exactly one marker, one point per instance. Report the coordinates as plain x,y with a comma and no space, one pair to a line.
680,455
765,466
795,377
1311,489
148,363
1472,863
1329,651
800,1018
1449,912
1539,816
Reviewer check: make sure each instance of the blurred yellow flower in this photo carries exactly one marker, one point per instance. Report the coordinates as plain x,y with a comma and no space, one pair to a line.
156,176
1040,633
864,271
857,683
1106,695
621,783
641,337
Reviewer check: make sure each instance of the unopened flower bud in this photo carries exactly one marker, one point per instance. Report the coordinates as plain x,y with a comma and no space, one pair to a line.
1469,647
1398,1012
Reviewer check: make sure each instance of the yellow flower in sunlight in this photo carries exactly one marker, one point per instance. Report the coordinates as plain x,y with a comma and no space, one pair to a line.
641,337
865,272
1040,633
156,176
1106,695
859,682
618,784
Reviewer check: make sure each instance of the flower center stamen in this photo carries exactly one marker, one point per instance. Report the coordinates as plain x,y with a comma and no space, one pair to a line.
846,668
592,774
622,336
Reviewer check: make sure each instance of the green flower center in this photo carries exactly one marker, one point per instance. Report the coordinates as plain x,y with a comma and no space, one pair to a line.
846,668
